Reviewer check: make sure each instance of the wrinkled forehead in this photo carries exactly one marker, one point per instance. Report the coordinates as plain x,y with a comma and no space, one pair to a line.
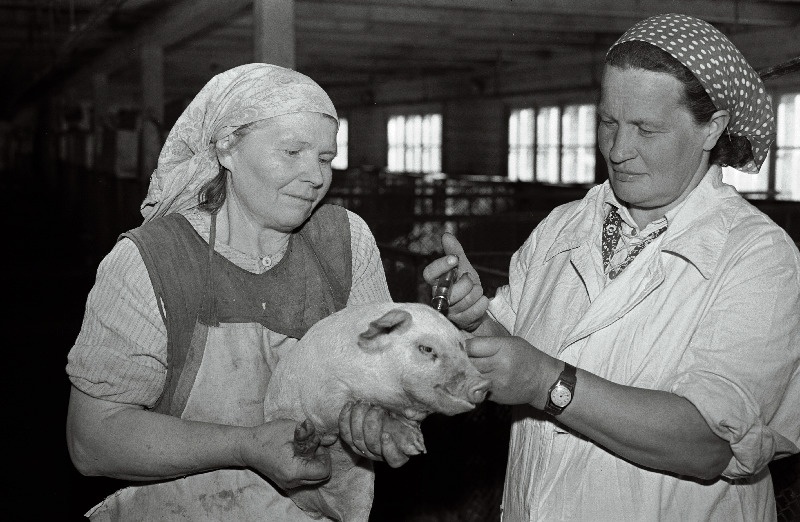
286,119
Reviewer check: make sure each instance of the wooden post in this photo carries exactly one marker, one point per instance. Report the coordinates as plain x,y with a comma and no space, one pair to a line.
99,114
152,116
273,32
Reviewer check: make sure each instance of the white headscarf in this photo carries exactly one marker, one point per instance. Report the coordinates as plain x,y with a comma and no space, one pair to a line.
230,100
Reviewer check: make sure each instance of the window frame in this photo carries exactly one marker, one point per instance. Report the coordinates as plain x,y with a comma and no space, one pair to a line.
346,156
421,110
772,174
560,100
771,192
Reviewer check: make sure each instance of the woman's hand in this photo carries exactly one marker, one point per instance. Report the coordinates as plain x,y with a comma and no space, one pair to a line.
128,442
467,302
291,454
379,434
653,428
519,373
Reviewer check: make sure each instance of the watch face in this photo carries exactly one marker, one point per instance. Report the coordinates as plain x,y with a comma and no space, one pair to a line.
560,396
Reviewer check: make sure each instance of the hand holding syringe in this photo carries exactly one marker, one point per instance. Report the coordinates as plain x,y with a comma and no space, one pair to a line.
457,290
441,290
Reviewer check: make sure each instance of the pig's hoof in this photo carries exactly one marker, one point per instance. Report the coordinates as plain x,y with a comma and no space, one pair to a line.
406,435
306,441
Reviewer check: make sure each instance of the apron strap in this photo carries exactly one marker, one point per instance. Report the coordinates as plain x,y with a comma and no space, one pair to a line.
208,308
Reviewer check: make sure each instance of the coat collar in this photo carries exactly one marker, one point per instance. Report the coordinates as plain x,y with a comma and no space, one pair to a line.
584,222
700,230
697,232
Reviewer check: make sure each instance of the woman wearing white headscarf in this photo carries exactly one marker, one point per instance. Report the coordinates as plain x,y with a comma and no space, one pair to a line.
190,311
654,352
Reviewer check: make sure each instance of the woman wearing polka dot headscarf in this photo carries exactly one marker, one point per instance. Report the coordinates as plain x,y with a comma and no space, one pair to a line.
677,301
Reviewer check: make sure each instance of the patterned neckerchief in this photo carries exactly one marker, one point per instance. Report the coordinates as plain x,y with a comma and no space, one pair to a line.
619,248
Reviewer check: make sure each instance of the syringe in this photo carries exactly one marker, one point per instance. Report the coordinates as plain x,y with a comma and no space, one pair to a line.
441,290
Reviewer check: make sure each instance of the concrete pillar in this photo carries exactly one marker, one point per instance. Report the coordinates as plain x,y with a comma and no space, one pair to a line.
152,120
273,32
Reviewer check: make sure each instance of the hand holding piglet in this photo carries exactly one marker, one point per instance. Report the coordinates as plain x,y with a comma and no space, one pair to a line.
269,448
405,357
380,434
519,372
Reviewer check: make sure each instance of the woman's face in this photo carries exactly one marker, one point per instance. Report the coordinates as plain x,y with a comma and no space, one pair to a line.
281,170
655,152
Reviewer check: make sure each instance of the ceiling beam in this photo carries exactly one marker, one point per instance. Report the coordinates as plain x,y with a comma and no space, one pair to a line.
173,25
768,48
351,16
713,11
176,24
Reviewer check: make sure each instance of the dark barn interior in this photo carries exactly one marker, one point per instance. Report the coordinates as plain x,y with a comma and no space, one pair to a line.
91,88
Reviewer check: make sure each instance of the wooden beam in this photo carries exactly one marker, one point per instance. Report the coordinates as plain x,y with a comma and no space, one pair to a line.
100,112
445,53
352,16
768,48
432,35
340,15
273,32
713,11
179,22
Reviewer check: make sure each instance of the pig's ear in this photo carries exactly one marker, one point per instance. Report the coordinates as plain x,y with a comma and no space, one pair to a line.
396,321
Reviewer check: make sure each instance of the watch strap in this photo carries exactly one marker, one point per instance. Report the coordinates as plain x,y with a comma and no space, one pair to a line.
568,378
569,375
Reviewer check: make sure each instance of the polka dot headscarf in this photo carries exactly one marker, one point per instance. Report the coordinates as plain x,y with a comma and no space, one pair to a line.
728,79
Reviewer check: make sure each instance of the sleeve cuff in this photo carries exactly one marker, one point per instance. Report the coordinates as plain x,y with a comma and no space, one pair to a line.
731,416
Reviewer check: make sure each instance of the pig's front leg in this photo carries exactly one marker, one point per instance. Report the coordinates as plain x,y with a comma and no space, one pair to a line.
307,439
347,496
380,434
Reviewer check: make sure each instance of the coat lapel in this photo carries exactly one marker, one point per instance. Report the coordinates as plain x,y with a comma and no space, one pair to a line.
620,296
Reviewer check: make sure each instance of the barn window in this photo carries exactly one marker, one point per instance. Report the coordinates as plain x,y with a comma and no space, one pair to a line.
415,143
552,144
778,175
340,161
787,147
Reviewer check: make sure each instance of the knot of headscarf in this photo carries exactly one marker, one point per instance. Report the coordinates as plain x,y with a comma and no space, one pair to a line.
230,100
728,79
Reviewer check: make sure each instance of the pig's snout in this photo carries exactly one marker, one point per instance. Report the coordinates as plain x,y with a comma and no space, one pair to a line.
477,391
471,390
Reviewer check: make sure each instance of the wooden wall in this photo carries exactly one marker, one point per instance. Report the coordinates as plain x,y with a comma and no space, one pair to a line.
474,136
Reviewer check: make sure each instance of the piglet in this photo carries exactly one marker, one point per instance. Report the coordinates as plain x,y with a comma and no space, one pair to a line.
405,357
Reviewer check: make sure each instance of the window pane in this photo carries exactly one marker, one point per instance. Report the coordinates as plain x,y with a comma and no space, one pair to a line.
527,144
415,143
787,157
547,144
587,125
578,142
435,150
340,161
394,132
745,182
520,149
437,129
513,145
426,144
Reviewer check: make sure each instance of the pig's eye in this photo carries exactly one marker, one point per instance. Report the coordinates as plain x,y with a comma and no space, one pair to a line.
427,350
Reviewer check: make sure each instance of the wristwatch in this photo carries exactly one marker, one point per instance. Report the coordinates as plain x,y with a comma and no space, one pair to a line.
562,391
